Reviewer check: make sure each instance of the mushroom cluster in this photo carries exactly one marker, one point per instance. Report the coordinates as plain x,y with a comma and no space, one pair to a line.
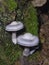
38,3
28,40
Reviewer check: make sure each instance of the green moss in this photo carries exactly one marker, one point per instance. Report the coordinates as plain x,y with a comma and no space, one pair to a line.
30,20
12,53
7,9
10,4
1,9
3,58
9,52
3,62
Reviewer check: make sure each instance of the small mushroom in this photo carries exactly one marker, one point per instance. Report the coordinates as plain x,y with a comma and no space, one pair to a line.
38,3
14,27
28,40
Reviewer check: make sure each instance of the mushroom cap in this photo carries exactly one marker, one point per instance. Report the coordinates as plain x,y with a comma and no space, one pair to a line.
38,3
28,40
14,26
28,36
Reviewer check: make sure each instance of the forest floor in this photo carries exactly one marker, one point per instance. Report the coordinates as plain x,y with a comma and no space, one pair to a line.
43,56
40,57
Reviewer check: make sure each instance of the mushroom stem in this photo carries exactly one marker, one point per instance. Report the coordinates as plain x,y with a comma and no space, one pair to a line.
26,52
14,39
32,51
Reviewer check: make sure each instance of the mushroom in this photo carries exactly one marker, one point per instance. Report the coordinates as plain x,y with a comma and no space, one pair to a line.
28,40
38,3
14,27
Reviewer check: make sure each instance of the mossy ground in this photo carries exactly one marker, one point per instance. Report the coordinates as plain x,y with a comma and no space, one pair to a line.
31,20
9,52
